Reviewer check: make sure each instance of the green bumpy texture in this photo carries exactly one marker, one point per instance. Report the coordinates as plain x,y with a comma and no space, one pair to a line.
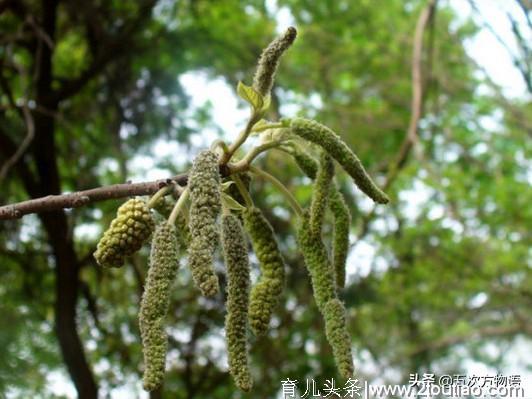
321,135
266,293
236,322
205,205
338,336
340,247
131,228
269,61
320,195
155,301
323,285
340,211
317,261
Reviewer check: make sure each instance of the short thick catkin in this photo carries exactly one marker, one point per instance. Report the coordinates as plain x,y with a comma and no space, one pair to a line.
205,205
131,228
321,188
269,60
332,143
236,322
155,301
266,293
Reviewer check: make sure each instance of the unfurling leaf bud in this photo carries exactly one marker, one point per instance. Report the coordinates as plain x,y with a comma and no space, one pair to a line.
127,233
332,143
155,301
266,293
342,221
338,336
269,60
236,322
320,193
205,205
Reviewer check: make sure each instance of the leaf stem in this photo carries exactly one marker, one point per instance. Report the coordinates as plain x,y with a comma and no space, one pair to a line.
243,191
255,117
244,163
158,195
281,187
178,206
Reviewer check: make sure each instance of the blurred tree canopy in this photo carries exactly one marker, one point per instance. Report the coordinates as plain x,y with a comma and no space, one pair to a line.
88,85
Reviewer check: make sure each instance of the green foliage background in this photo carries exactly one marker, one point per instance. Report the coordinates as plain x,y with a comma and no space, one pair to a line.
451,272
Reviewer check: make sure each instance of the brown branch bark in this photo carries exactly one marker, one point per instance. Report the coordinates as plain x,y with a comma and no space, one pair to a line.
82,198
77,199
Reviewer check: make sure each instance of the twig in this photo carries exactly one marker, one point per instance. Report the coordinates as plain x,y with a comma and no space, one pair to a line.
281,187
81,198
417,107
30,133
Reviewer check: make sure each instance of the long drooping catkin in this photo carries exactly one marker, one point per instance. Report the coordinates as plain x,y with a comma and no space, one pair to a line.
155,301
131,228
321,135
236,322
266,293
323,285
205,205
338,337
339,209
317,262
269,60
321,188
340,247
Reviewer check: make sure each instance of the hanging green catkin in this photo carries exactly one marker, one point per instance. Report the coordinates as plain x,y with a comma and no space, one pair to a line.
205,205
164,207
339,209
266,293
236,322
332,143
338,337
269,61
323,285
127,233
155,301
317,262
321,188
340,247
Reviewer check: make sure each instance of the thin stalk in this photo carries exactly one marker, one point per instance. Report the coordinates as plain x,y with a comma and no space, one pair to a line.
158,195
178,206
281,187
266,126
219,143
255,117
243,191
252,154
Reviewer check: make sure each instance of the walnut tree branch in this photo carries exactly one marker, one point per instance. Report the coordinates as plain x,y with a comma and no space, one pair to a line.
82,198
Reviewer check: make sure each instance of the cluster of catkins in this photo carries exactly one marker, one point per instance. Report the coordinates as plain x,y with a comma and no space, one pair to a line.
210,222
